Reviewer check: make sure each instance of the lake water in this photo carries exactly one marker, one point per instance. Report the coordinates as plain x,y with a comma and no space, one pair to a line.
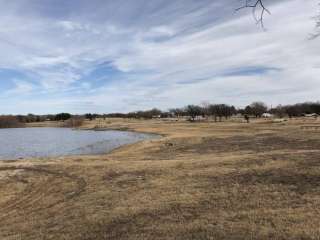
16,143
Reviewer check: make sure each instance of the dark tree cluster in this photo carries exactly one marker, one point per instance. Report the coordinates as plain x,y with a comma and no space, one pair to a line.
297,110
116,115
194,111
30,118
93,116
221,110
63,116
217,111
256,109
148,114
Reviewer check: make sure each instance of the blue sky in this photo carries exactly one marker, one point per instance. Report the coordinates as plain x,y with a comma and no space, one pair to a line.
116,56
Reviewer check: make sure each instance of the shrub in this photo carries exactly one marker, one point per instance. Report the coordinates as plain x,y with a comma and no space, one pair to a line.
74,122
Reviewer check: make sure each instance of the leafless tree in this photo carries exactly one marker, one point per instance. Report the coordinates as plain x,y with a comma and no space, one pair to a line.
257,109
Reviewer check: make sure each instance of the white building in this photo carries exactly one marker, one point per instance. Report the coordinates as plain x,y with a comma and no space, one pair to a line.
267,115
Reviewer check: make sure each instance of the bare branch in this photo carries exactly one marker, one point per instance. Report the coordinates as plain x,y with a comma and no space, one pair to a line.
256,5
316,33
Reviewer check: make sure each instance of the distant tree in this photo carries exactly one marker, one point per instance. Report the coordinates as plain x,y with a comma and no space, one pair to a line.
117,115
177,112
229,111
279,111
315,107
148,114
74,122
293,111
31,118
62,116
258,108
21,118
193,111
165,114
154,112
89,116
143,114
299,109
213,111
50,117
248,110
132,115
205,105
221,110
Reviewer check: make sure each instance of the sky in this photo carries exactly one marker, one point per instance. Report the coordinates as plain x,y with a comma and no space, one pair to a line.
107,56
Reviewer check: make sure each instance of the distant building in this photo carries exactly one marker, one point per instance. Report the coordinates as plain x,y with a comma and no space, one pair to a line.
314,115
267,115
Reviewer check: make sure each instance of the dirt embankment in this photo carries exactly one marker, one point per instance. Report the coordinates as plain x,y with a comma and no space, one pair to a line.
200,181
10,122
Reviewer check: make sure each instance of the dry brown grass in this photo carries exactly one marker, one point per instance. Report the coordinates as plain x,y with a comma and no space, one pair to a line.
200,181
74,122
45,124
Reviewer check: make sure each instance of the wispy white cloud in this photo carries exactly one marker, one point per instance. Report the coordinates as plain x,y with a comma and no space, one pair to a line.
166,53
20,87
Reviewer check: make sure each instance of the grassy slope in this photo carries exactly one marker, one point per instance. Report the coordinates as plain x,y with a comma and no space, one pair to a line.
201,181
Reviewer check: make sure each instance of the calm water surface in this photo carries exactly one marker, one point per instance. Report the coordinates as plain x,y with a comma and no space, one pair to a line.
18,143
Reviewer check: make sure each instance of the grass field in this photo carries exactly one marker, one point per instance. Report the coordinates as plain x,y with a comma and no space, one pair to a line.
227,180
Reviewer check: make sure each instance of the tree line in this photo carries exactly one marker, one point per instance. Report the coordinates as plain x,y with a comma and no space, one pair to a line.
218,112
225,111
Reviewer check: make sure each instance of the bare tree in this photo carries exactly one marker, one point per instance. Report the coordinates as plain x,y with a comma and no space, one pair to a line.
205,105
193,111
257,109
177,112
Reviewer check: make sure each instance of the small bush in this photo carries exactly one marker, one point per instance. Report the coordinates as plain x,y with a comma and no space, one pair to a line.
74,122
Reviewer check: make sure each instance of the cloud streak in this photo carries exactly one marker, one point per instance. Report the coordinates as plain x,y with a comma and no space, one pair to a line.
107,56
